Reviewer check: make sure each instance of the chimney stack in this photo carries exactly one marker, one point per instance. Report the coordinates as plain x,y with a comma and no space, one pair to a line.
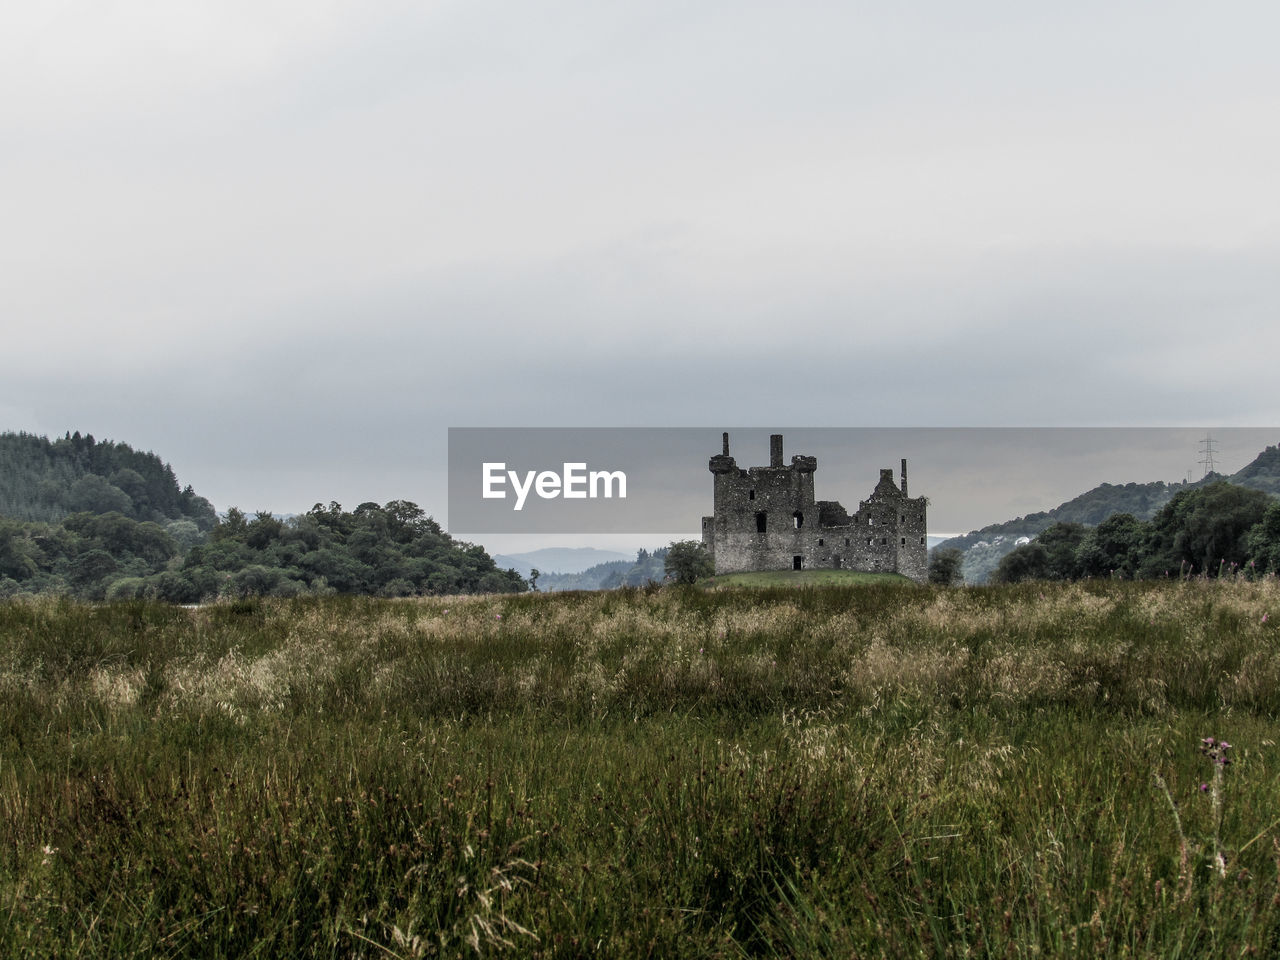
726,444
775,450
904,476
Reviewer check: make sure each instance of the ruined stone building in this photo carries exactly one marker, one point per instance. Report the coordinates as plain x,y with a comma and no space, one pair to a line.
766,518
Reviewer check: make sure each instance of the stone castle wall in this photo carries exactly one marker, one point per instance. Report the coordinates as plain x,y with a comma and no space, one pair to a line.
766,518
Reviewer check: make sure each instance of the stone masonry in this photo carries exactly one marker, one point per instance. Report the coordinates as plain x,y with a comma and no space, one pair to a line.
766,518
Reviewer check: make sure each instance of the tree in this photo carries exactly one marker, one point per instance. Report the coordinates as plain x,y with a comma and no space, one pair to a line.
534,574
1027,562
1205,528
234,526
688,561
1113,547
945,567
1061,543
264,530
94,494
1263,542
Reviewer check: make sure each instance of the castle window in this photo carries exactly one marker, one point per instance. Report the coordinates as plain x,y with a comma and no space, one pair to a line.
798,517
795,562
902,518
904,542
751,494
922,539
846,541
871,521
884,540
868,541
819,541
760,522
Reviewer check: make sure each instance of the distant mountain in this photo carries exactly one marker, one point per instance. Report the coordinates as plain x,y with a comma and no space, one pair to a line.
599,577
647,567
558,559
983,549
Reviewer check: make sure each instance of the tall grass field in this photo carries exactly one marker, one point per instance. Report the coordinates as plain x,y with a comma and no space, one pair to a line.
852,770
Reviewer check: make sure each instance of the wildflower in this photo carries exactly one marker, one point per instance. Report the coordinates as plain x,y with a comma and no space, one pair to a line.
499,616
1204,788
1264,618
1216,751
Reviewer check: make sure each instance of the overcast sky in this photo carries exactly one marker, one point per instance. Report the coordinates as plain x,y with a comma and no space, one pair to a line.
286,245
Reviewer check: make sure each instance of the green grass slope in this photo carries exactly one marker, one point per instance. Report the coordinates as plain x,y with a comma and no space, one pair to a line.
802,578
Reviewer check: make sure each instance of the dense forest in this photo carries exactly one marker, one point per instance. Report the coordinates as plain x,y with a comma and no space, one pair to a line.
47,480
982,550
1221,529
98,520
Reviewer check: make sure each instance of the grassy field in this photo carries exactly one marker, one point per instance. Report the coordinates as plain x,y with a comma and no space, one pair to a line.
803,578
866,770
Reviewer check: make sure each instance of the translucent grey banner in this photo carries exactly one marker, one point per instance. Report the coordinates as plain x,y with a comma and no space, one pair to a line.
559,480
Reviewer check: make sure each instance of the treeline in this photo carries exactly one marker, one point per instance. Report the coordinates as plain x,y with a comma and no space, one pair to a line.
984,549
46,480
393,550
98,520
1215,530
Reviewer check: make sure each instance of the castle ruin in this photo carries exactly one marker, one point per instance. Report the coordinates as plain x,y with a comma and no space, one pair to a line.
765,518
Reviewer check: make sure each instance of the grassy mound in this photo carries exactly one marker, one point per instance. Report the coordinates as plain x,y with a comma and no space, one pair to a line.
803,578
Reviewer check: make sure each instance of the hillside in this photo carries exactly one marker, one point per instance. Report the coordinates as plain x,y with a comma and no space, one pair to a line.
983,549
99,520
1263,473
46,480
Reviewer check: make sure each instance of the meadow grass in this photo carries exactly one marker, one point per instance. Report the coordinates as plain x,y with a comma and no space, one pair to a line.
803,578
826,771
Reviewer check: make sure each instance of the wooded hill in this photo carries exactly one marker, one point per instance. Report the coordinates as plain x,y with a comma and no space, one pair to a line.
984,549
46,480
98,520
